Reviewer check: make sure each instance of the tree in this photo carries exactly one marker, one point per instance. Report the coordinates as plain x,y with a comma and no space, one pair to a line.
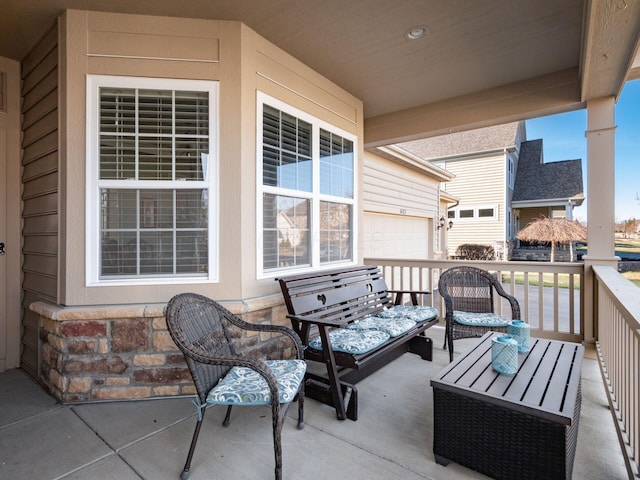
554,231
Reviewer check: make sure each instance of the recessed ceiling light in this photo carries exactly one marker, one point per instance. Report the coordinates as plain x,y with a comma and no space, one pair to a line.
417,32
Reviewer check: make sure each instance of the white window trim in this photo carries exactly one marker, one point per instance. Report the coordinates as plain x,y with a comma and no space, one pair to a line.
93,184
476,209
314,195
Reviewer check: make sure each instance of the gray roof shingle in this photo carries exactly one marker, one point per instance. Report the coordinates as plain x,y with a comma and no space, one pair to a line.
536,180
459,143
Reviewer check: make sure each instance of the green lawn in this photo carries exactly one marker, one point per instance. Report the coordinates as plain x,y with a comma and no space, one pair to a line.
547,279
563,279
622,246
633,276
628,245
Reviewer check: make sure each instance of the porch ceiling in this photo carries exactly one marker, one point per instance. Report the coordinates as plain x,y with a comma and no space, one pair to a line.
481,63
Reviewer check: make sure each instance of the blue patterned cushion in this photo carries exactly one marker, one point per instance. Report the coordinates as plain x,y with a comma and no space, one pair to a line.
242,385
479,319
392,326
416,313
352,341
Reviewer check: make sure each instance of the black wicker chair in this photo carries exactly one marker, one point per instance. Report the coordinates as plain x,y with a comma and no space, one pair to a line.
469,304
227,369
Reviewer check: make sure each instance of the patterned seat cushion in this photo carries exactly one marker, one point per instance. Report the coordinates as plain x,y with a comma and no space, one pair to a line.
479,319
416,313
352,341
392,326
242,385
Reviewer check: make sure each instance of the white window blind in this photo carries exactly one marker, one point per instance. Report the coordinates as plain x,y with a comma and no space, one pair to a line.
307,190
153,183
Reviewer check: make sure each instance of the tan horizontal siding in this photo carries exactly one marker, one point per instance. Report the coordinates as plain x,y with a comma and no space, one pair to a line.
46,145
153,45
44,165
39,110
389,187
40,180
41,224
299,87
478,181
29,355
44,286
141,45
42,244
47,65
40,205
43,184
44,87
41,264
40,52
528,215
40,129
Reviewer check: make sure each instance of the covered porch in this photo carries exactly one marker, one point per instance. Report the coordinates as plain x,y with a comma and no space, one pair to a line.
41,439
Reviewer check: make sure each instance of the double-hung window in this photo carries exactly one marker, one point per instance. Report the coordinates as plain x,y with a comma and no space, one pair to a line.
151,180
306,190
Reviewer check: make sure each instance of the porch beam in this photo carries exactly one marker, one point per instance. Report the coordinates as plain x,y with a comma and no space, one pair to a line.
545,95
610,53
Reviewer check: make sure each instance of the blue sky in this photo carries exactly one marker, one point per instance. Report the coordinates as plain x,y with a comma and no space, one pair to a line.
564,139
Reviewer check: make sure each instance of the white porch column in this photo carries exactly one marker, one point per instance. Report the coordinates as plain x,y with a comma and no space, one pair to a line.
601,199
568,210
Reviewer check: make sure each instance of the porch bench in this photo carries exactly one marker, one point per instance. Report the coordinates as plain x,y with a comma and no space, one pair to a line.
350,321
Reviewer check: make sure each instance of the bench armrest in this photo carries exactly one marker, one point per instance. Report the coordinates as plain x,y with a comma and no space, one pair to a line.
423,292
339,322
413,294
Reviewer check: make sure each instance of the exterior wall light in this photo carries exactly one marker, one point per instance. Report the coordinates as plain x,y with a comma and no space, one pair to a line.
443,223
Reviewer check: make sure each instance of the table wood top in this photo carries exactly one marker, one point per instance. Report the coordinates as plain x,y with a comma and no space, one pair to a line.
545,385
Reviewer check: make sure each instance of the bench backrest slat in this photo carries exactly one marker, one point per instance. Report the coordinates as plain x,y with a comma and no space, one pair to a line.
352,293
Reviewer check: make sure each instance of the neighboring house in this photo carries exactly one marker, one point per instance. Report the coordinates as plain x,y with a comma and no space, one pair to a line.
402,205
550,189
502,183
484,163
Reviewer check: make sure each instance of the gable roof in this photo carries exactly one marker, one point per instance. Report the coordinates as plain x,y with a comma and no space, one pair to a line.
536,180
459,143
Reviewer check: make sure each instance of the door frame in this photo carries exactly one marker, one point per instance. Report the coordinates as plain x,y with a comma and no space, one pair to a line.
10,216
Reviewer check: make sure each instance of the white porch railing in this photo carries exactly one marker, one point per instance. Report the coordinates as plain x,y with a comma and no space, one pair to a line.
551,311
618,320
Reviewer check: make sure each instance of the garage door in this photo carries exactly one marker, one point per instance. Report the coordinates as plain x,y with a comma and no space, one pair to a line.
395,236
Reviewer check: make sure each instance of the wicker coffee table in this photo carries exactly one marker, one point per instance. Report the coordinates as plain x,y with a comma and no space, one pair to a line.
523,426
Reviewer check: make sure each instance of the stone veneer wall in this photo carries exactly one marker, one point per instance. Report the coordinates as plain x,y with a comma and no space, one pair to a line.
120,352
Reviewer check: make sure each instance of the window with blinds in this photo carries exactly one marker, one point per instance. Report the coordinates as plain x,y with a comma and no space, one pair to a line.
307,190
152,178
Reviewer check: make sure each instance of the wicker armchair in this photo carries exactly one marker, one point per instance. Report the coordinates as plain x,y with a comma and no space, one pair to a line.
469,304
229,370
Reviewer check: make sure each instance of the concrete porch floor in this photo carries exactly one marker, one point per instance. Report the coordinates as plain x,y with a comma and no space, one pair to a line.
149,439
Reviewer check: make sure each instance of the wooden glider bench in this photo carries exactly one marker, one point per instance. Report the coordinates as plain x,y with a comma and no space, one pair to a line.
347,319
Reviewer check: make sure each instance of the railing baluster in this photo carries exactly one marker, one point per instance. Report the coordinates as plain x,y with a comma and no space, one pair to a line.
541,300
618,317
556,316
526,298
568,317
